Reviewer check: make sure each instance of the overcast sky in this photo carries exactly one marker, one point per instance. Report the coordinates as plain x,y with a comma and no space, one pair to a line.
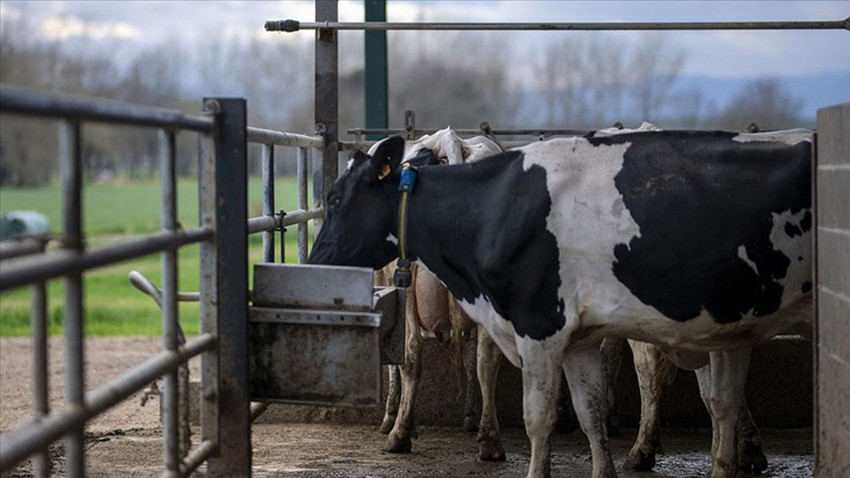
725,54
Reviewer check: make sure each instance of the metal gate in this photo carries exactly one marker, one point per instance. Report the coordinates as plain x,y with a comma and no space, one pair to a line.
223,340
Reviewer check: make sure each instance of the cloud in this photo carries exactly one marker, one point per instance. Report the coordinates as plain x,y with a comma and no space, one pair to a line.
67,27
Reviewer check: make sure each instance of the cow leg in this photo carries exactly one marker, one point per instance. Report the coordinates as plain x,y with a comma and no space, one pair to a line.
653,371
540,381
584,372
751,457
721,385
393,397
472,398
489,359
612,351
399,439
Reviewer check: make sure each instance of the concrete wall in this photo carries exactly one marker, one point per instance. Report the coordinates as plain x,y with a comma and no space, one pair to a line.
779,392
832,422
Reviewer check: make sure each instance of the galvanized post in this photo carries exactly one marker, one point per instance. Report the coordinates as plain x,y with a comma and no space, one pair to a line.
326,101
72,183
301,174
41,460
224,295
376,68
268,199
170,401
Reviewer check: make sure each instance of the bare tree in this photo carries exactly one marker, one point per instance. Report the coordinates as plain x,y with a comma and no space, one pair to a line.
764,102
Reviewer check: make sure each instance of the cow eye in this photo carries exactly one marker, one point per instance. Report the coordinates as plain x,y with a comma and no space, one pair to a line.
333,202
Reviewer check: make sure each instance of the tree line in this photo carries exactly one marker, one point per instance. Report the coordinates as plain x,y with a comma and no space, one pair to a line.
447,78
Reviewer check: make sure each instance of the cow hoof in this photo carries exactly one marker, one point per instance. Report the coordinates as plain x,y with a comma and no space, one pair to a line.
398,445
470,424
387,425
639,461
752,459
491,450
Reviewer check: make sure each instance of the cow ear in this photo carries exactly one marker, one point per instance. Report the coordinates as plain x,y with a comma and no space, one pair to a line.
388,155
451,146
356,158
424,157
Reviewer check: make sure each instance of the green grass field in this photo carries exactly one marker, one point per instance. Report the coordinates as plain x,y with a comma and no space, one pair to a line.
111,212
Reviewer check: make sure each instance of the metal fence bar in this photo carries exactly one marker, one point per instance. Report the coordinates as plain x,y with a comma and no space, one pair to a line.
39,433
209,412
15,99
301,175
268,200
70,145
473,132
299,216
231,290
22,247
41,404
294,26
170,325
282,138
51,265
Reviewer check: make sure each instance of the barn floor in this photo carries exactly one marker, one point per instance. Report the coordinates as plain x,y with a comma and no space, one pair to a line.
353,451
126,442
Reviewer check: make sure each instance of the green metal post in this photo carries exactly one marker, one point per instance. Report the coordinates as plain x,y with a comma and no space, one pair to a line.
377,115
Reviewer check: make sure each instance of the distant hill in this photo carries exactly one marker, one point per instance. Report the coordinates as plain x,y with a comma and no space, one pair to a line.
814,91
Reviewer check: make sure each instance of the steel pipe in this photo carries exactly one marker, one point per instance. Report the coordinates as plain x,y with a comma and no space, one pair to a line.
22,247
29,270
294,26
268,200
299,216
39,433
282,138
193,460
301,175
24,101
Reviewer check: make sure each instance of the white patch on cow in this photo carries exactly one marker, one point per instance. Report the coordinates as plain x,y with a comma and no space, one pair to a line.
742,254
391,238
788,136
350,164
796,249
645,127
448,146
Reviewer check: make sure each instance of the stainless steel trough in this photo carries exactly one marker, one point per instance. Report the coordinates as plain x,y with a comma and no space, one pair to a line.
319,334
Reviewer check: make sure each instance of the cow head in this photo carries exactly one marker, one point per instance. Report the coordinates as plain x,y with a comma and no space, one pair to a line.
360,225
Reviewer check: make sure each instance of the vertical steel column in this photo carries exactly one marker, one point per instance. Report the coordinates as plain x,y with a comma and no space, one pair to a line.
376,84
225,305
72,184
170,326
301,174
268,199
41,460
326,101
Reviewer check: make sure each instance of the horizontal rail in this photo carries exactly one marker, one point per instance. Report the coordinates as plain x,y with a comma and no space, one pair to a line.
24,101
22,247
282,138
274,222
29,270
471,132
295,25
40,432
300,216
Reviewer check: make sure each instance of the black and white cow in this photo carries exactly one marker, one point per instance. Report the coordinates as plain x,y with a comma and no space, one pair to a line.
697,242
430,307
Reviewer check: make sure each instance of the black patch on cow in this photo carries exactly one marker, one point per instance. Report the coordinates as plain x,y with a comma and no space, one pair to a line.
699,197
806,222
495,242
793,230
807,286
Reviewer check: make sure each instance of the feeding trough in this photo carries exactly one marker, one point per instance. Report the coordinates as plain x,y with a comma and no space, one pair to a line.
319,335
